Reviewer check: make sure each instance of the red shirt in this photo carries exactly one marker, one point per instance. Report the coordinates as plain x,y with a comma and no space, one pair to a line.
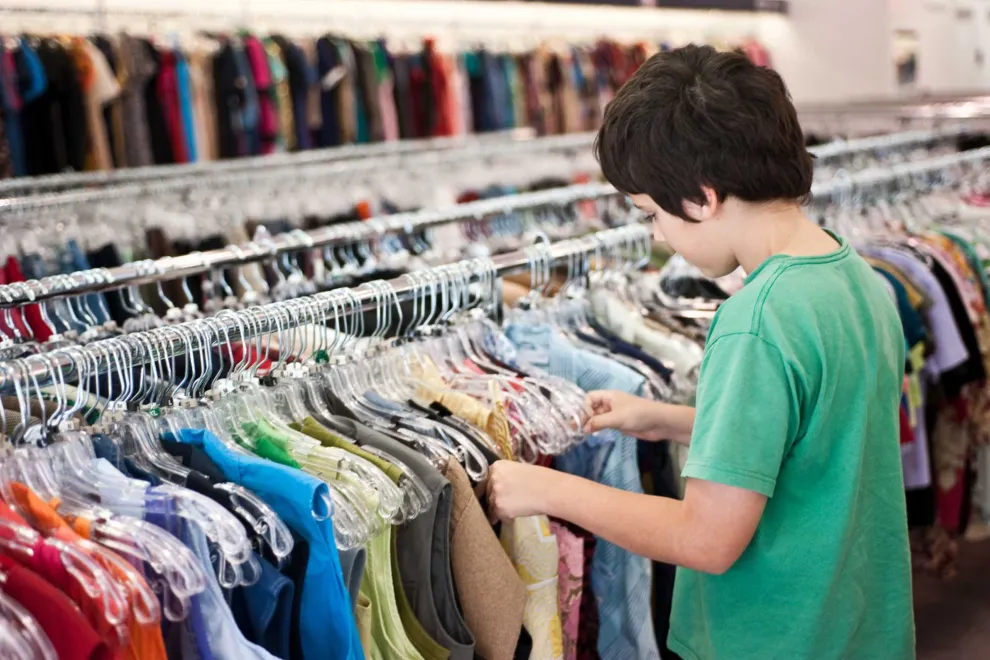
71,636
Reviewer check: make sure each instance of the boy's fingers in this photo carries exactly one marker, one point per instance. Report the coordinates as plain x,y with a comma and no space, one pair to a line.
599,401
598,422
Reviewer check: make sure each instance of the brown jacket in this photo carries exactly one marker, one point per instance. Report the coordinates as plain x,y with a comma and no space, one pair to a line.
491,594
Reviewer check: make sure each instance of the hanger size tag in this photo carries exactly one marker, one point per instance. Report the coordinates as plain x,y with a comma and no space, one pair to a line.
69,425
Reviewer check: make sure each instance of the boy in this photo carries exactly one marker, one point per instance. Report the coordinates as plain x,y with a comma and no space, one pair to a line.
791,541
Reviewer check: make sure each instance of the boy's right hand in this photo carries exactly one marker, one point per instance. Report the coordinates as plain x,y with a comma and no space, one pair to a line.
638,417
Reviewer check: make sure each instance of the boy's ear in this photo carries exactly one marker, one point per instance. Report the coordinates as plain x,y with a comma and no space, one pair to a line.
706,211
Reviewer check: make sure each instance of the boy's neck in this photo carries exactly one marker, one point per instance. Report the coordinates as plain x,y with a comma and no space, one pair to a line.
775,228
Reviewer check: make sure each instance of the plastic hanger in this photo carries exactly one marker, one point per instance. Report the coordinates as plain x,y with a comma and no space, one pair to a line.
139,442
21,638
79,493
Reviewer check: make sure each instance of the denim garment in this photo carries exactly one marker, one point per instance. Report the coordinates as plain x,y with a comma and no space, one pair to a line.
544,347
327,625
250,114
621,580
501,348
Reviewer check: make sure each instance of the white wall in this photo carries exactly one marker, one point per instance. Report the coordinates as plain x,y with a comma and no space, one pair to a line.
836,50
954,42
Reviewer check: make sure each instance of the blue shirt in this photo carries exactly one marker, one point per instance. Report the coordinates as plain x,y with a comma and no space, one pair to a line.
209,630
185,105
620,579
326,618
263,610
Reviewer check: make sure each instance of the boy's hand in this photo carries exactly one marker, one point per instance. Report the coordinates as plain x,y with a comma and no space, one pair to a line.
638,417
517,490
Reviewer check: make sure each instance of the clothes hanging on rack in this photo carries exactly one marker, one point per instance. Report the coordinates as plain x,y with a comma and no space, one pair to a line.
111,241
320,593
352,466
940,287
125,101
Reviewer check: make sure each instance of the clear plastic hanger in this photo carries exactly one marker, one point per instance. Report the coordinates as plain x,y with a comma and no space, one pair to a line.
352,524
21,543
216,522
80,490
337,378
336,464
263,520
21,638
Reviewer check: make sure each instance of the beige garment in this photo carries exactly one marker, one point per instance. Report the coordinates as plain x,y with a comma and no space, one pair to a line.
493,421
102,88
38,407
204,108
313,109
253,274
491,594
570,103
534,552
11,419
363,616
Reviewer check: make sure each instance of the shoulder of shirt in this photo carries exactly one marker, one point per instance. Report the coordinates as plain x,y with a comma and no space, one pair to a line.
741,313
744,312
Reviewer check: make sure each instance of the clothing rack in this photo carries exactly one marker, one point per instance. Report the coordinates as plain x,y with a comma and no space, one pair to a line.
842,187
57,182
631,242
94,281
21,191
259,172
141,272
844,148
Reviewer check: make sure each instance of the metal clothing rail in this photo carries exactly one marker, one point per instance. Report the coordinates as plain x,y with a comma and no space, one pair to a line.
844,148
377,167
138,348
23,192
70,180
842,187
170,268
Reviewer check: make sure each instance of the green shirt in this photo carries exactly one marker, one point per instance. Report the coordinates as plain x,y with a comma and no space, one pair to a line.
798,400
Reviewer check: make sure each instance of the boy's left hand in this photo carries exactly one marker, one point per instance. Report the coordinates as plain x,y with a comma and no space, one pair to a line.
517,490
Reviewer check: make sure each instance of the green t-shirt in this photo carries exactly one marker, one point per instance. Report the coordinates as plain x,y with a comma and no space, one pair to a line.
798,400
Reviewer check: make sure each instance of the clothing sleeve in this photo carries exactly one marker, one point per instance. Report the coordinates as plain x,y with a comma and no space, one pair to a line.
747,415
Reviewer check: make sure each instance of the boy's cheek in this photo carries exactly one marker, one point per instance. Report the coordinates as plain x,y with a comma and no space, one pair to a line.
658,232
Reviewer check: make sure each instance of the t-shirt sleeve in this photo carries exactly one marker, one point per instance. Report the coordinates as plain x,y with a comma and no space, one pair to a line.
746,415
